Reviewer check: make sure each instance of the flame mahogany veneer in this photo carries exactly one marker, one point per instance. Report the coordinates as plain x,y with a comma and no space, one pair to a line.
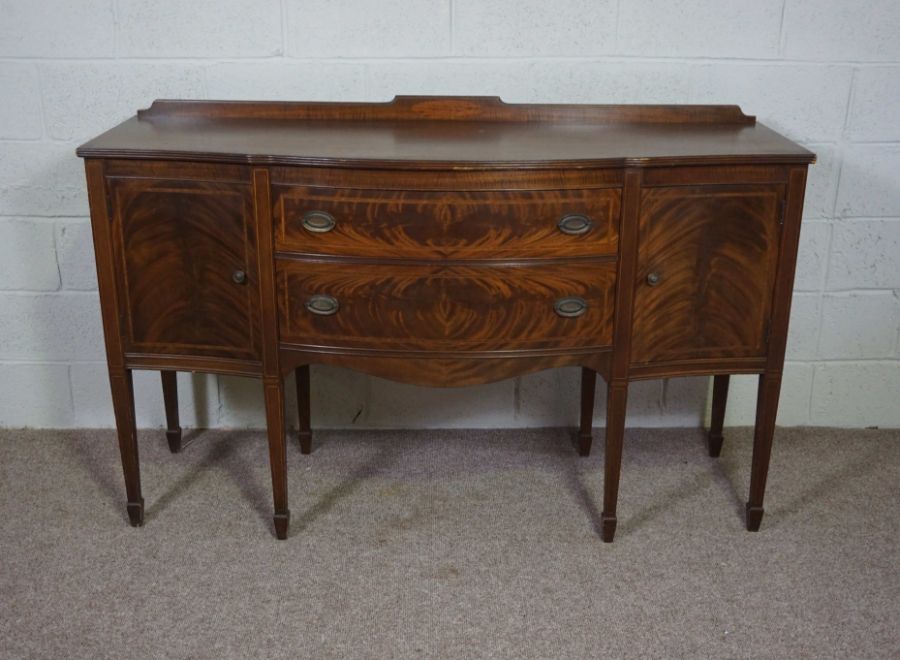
445,242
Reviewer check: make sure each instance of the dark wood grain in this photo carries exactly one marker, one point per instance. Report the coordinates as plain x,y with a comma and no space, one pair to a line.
616,405
458,108
427,133
713,253
122,387
166,170
585,427
617,392
743,174
170,400
447,225
273,376
273,389
770,380
454,180
120,379
698,367
179,246
413,307
717,421
439,370
212,365
445,255
763,433
304,433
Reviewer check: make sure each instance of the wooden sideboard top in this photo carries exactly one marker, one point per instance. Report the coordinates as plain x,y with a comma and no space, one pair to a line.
444,132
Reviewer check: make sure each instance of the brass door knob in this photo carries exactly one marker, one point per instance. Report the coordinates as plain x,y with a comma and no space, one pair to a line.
239,277
570,306
318,222
322,305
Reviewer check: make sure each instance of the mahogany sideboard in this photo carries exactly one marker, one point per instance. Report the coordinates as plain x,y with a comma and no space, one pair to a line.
445,241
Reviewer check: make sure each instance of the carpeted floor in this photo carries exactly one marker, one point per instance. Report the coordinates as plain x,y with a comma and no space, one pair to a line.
451,544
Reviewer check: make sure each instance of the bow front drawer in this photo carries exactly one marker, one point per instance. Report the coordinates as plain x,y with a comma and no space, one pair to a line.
429,224
446,308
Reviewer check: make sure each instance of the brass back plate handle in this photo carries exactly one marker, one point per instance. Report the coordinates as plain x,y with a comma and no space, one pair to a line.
575,224
322,305
570,306
318,222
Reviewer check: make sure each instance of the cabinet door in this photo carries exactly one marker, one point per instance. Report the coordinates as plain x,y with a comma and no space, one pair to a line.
187,262
707,257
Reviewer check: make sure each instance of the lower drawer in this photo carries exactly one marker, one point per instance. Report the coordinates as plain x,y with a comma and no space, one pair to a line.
446,308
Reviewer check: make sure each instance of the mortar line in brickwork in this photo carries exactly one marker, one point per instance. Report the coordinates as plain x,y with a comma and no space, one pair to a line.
46,219
115,9
59,274
41,220
45,132
616,26
284,45
873,143
858,218
848,109
868,218
452,8
897,347
600,58
812,389
37,293
71,390
782,34
848,293
51,363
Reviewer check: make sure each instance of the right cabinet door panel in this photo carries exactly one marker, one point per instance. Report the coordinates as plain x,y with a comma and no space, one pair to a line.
707,257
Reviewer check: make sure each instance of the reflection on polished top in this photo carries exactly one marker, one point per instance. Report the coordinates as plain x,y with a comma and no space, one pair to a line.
485,133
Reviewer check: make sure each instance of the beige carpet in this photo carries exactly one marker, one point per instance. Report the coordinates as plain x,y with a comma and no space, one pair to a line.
452,544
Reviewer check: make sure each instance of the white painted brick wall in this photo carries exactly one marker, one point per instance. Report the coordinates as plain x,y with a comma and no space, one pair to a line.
280,80
75,255
20,103
723,28
874,115
170,28
115,87
367,28
825,72
845,30
812,256
27,256
842,334
44,29
870,181
488,28
866,253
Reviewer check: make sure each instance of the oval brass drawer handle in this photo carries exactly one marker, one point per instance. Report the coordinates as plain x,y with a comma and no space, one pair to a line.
318,222
570,307
575,224
322,305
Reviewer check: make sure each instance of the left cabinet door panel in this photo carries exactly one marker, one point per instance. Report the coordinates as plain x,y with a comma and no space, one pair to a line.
187,267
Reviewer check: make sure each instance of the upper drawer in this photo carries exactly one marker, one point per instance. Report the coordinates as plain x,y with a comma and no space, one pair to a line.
446,224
